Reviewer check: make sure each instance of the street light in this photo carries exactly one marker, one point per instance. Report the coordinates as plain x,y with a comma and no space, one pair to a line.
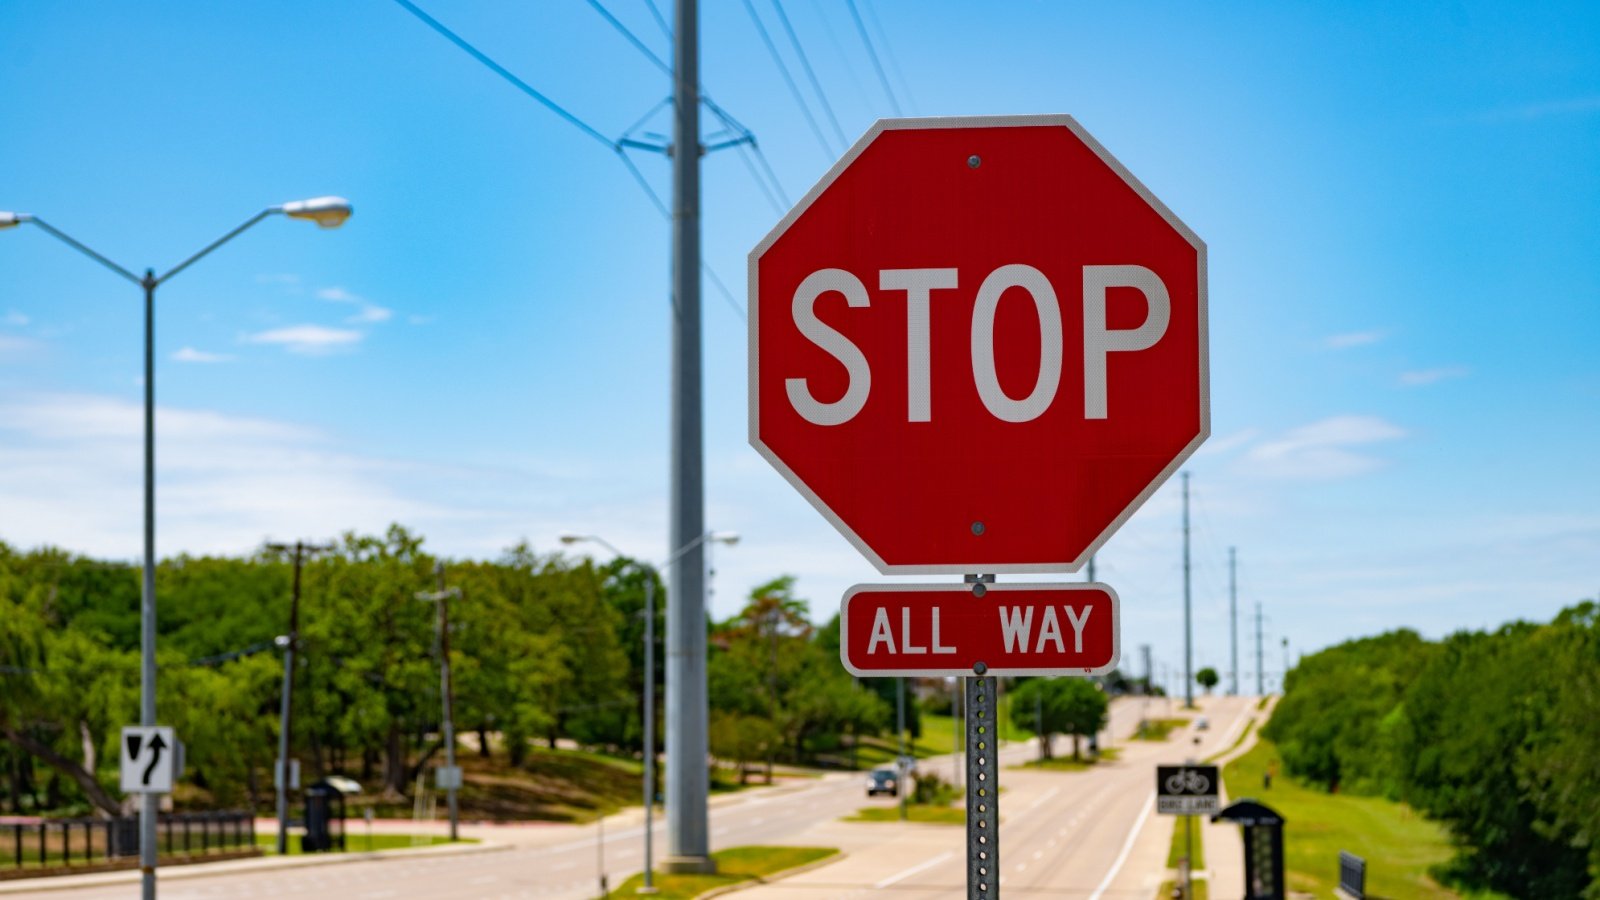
442,597
728,538
328,212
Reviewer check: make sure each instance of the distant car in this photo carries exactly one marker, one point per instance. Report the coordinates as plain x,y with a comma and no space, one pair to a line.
883,781
1202,724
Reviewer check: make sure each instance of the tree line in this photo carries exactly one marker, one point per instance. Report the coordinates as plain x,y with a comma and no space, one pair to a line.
544,648
1495,734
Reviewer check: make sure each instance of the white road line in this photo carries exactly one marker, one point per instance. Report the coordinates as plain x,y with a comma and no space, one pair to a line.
1127,848
893,879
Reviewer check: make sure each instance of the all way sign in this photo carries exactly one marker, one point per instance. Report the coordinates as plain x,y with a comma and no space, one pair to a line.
948,629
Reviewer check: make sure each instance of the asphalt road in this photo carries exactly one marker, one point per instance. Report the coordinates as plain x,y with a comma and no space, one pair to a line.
1061,836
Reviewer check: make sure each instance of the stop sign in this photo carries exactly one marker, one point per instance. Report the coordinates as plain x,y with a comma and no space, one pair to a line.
978,345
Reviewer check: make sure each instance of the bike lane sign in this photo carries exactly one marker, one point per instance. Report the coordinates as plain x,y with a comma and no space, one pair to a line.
1187,790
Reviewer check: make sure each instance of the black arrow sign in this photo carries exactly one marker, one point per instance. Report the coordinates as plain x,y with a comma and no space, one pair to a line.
157,745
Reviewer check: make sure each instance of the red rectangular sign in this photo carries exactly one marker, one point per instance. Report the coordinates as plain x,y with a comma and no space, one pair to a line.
946,629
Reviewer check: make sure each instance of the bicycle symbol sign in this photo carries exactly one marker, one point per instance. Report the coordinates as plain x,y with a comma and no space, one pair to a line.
1186,790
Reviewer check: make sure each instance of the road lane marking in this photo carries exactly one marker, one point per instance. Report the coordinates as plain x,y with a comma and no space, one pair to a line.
1127,848
894,879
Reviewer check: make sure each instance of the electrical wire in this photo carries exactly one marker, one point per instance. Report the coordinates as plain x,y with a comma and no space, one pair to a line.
894,64
805,63
632,38
788,79
655,13
505,73
877,66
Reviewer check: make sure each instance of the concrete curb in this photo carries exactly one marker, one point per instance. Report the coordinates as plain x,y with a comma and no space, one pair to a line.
201,870
776,876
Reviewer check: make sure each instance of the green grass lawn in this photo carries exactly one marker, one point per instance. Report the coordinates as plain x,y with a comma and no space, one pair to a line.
1160,729
356,841
1242,735
1175,852
915,812
1398,844
1201,891
1068,764
734,865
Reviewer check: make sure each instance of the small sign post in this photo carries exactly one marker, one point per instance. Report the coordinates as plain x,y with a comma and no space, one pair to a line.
1188,790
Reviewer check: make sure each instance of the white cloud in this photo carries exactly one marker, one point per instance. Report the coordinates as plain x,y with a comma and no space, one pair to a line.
308,339
368,314
12,348
1324,449
1422,377
14,319
1354,339
191,355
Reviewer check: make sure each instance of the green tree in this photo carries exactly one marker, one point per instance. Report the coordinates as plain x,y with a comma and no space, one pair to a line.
1207,678
1051,706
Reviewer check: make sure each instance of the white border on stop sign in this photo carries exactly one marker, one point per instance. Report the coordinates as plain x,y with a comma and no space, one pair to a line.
823,184
956,671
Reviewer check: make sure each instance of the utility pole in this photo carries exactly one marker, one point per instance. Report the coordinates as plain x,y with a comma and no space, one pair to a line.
900,733
301,551
1091,569
1188,625
1285,682
442,597
688,835
1261,676
1233,616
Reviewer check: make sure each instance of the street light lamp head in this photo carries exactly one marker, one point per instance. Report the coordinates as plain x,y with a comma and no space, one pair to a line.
572,538
724,537
327,212
12,219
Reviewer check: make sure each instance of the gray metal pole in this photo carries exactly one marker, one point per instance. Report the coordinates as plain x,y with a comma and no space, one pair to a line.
444,693
688,834
283,747
1233,616
900,737
148,803
1188,625
649,729
983,799
1261,678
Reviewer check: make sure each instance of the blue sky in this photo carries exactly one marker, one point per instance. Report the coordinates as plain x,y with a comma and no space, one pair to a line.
1400,202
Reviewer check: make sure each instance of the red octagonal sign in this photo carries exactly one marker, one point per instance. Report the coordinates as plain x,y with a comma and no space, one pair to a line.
978,345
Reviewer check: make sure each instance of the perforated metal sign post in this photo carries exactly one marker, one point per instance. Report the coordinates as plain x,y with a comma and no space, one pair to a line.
983,798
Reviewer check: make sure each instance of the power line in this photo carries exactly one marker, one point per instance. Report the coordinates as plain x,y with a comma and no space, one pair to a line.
838,49
632,38
873,54
805,63
894,64
505,73
655,13
788,79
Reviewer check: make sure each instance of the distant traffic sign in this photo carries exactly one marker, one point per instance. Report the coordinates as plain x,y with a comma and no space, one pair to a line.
447,778
978,345
946,629
1186,790
149,759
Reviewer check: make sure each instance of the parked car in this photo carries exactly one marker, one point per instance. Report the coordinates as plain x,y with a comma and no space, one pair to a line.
883,781
1202,724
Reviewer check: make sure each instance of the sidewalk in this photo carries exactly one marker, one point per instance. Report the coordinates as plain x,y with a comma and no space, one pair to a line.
257,864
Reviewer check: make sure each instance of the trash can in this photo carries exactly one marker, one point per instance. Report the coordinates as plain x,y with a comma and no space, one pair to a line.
324,819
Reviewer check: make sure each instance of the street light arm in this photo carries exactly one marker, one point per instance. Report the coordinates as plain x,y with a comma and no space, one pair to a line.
218,243
72,242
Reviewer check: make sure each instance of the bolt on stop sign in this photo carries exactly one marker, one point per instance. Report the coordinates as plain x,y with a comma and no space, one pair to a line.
978,345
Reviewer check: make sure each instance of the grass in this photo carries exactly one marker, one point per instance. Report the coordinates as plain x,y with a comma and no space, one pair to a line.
358,842
1159,729
1068,764
1175,852
1201,891
915,812
1242,735
734,865
1398,844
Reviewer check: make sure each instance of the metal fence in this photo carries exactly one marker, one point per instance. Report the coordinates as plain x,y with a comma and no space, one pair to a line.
63,843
